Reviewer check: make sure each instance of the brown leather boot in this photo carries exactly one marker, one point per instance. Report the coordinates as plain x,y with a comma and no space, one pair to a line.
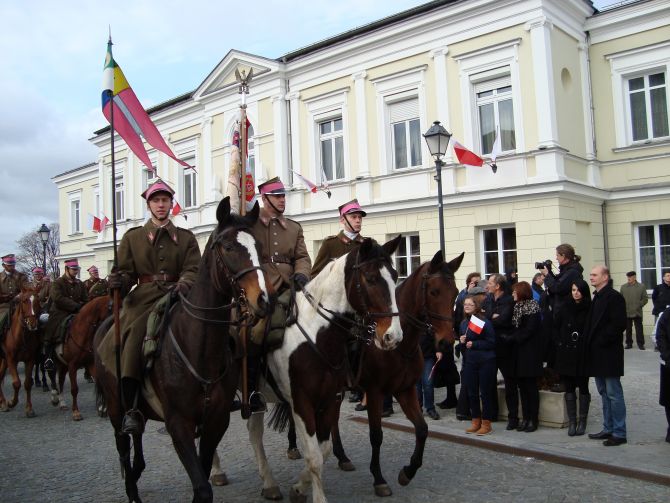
476,425
485,429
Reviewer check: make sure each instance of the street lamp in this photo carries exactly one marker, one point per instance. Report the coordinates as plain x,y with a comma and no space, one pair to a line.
44,232
437,139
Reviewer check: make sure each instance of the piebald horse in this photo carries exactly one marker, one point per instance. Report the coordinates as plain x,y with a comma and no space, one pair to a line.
194,373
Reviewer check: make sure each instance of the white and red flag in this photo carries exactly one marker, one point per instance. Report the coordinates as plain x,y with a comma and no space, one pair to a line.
475,324
176,209
466,156
96,224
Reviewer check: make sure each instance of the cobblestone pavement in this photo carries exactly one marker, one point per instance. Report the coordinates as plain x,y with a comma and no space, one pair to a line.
51,458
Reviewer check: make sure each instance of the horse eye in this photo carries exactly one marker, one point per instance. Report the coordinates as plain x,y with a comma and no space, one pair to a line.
371,279
435,292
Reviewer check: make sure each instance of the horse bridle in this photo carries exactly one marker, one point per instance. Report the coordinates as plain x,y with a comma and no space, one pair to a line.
24,319
424,321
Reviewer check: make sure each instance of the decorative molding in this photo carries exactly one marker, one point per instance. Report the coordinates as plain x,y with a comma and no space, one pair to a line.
359,75
539,22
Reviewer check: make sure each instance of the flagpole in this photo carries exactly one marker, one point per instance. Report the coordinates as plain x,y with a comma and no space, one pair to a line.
243,80
116,294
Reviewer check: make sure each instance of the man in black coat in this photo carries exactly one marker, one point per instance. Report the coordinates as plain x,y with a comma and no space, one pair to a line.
604,331
660,296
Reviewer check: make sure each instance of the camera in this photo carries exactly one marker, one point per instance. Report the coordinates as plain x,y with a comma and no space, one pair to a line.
542,265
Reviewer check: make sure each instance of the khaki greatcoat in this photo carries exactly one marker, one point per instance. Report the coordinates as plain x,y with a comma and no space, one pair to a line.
96,287
148,252
333,247
10,287
67,297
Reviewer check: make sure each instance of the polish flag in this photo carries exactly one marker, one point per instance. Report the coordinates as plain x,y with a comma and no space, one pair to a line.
465,156
310,185
103,223
176,209
476,325
93,223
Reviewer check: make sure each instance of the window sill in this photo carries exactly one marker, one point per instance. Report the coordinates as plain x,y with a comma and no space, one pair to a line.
641,146
75,234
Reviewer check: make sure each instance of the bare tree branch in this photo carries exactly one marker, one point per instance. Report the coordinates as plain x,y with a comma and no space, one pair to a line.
30,251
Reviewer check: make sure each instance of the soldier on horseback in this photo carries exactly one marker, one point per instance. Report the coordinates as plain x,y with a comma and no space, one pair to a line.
155,258
11,282
42,285
284,259
95,285
68,295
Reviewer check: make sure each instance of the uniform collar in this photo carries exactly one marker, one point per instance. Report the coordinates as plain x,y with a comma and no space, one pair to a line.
265,218
152,231
345,239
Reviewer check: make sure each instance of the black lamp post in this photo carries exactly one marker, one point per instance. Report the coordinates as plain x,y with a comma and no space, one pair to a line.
437,139
44,232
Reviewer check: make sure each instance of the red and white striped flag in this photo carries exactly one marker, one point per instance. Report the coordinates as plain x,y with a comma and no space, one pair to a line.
466,156
310,185
103,223
475,325
94,223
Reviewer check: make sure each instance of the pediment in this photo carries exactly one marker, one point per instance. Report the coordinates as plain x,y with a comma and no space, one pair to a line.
223,78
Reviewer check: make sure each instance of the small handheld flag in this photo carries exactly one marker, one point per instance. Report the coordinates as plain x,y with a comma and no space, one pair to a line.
476,325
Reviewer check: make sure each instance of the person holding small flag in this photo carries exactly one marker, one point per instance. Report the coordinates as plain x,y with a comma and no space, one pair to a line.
477,344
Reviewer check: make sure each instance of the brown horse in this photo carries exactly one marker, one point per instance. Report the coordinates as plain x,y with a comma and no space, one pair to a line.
426,303
77,350
21,345
194,373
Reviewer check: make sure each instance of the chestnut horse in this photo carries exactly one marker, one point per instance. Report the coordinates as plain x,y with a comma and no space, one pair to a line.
77,350
21,345
354,294
194,373
426,302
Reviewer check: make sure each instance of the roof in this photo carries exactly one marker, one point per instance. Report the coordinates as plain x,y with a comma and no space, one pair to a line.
90,164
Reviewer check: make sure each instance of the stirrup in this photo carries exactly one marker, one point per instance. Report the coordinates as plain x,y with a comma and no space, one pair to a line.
132,422
49,364
257,403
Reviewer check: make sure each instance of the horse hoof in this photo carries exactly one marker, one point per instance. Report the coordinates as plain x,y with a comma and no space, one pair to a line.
219,479
54,399
63,406
295,497
272,493
403,479
3,407
76,416
30,413
346,466
383,490
293,453
12,403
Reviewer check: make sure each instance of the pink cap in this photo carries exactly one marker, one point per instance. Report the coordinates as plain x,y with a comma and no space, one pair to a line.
9,259
38,269
72,263
158,186
92,269
274,186
351,207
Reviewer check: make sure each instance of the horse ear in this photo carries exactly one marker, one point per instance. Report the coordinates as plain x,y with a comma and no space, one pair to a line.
436,261
253,214
366,246
223,211
391,246
456,263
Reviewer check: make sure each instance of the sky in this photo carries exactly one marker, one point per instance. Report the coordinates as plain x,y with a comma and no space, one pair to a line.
52,59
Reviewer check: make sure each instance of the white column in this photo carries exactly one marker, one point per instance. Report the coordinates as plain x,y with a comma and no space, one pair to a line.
543,73
361,125
439,56
281,161
294,138
210,187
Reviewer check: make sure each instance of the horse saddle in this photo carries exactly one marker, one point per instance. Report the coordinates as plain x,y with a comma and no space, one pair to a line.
64,328
157,319
268,335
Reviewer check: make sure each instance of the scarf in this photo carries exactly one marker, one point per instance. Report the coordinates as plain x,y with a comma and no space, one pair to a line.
524,308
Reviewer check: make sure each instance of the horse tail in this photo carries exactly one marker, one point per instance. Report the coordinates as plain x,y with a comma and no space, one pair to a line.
280,417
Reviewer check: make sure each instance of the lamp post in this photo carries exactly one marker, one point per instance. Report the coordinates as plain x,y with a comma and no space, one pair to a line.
437,139
44,232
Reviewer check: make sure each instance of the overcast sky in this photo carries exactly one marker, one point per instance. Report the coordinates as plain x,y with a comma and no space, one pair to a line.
52,58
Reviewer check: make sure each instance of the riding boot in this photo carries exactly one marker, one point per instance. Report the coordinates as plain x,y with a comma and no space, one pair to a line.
49,357
571,408
133,420
584,401
257,402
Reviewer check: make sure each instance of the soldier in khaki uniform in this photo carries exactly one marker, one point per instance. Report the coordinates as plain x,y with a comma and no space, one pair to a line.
11,282
155,258
95,286
68,296
42,285
349,238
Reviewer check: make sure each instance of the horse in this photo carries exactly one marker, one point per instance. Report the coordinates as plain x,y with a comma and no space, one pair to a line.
21,345
426,303
194,374
354,294
77,350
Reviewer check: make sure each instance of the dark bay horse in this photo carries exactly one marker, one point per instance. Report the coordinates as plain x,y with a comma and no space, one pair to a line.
426,303
77,351
21,345
354,294
194,373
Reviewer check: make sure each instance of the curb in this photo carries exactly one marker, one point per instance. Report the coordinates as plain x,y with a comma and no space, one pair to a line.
561,459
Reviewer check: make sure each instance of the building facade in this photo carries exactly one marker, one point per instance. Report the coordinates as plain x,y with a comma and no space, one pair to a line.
579,98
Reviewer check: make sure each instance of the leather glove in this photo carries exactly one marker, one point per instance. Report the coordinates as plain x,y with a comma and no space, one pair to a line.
179,288
300,281
114,281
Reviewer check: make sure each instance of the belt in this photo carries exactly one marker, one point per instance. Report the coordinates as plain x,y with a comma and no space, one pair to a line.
278,259
150,278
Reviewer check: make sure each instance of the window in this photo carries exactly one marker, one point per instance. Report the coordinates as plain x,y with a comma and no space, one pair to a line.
118,200
648,102
499,247
405,133
190,188
653,243
407,257
496,113
147,176
75,216
332,149
96,201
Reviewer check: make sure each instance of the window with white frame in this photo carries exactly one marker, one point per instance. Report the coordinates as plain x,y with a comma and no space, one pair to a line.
405,129
331,141
407,256
96,200
75,214
653,247
189,186
499,250
495,109
648,106
147,176
119,200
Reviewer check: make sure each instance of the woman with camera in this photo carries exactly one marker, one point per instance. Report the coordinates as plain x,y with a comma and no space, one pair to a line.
571,349
559,286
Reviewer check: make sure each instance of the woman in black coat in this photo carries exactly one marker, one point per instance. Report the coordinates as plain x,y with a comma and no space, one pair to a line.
570,343
527,337
663,344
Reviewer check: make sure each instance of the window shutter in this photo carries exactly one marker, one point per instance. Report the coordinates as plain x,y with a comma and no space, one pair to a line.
489,85
404,110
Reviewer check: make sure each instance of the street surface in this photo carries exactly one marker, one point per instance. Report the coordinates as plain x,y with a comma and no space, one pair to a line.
51,458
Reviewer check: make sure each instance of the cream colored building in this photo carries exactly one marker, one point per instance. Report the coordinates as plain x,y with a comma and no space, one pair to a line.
580,98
